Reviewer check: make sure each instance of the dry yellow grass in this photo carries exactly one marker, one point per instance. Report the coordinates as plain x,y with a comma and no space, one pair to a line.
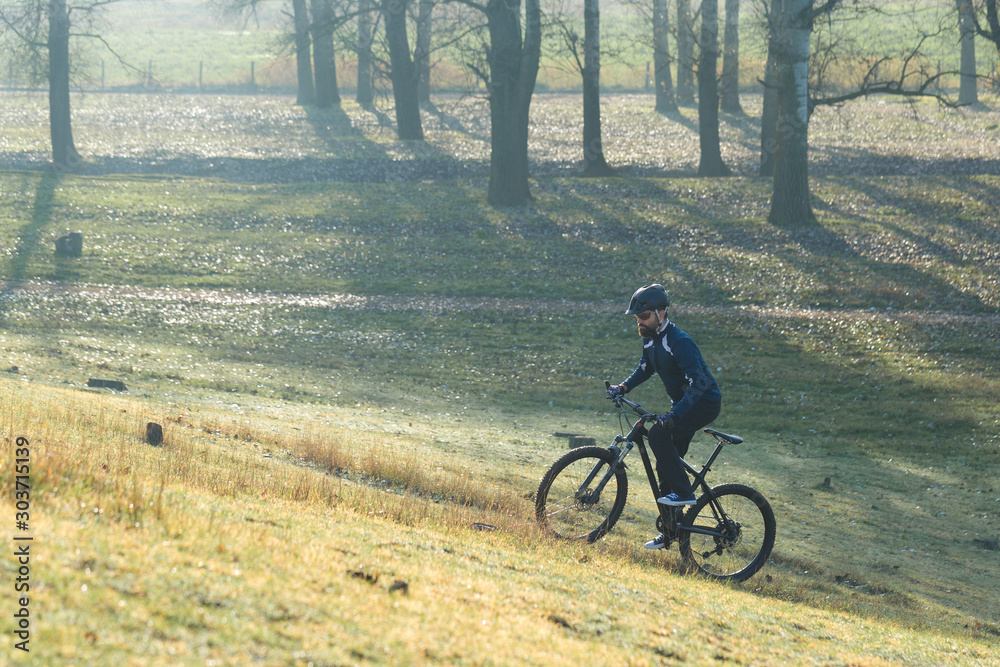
235,543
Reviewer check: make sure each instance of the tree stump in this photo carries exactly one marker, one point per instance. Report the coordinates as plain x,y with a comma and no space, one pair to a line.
154,434
576,440
70,245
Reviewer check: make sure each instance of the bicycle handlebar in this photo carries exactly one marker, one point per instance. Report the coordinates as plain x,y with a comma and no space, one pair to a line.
638,409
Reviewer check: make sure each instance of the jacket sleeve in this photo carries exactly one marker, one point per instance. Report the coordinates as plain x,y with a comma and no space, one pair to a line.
689,359
641,373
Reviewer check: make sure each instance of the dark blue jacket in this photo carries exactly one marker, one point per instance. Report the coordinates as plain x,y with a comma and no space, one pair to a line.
673,355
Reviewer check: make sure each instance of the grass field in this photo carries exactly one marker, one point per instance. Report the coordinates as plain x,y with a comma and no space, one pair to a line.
357,362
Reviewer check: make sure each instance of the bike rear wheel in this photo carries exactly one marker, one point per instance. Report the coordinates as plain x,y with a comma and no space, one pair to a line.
569,504
745,529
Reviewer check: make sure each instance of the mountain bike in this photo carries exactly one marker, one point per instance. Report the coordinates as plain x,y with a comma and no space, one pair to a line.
727,534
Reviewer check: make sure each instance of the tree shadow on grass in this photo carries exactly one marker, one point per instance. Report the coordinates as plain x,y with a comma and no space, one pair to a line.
28,240
29,236
855,161
450,122
356,158
366,167
681,119
698,238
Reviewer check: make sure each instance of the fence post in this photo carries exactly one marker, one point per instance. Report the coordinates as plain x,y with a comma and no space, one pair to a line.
149,75
253,78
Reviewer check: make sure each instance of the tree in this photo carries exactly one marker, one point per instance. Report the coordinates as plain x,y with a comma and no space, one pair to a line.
511,68
731,60
685,53
991,30
967,91
513,62
364,93
323,25
422,53
42,30
303,57
64,153
792,22
666,101
403,71
769,113
708,93
904,73
588,65
593,149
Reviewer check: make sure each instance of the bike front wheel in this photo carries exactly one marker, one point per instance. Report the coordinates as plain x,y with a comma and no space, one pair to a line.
741,530
578,499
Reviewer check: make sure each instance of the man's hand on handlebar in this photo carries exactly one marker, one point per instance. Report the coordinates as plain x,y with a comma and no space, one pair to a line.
616,391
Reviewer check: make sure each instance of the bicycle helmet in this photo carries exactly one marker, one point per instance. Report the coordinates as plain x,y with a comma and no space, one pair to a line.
648,297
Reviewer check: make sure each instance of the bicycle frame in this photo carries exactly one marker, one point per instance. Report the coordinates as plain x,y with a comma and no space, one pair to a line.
670,524
727,533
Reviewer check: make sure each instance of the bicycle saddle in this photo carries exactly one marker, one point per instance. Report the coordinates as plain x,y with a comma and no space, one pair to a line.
731,439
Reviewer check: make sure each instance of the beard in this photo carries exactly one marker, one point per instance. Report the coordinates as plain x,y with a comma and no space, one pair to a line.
646,331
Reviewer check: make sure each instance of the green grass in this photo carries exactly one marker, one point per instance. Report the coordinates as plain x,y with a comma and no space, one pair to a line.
350,375
176,232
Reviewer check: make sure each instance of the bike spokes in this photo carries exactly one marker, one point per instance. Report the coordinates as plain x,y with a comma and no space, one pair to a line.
732,537
578,498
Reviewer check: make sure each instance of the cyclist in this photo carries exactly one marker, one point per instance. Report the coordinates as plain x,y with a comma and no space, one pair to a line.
695,397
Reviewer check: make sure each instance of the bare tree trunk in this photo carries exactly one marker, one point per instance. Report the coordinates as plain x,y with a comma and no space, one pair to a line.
685,53
422,56
593,150
327,92
364,94
992,29
769,114
731,59
666,102
967,91
790,204
404,73
303,57
513,71
708,93
64,154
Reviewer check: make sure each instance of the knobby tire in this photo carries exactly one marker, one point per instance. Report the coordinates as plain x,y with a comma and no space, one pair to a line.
750,527
565,510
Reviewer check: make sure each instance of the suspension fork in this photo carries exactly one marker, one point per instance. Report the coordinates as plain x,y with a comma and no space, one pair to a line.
619,457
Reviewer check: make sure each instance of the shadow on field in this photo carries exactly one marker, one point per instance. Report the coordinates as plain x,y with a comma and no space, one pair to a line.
877,537
845,160
332,124
452,123
28,239
364,169
422,160
948,224
682,120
